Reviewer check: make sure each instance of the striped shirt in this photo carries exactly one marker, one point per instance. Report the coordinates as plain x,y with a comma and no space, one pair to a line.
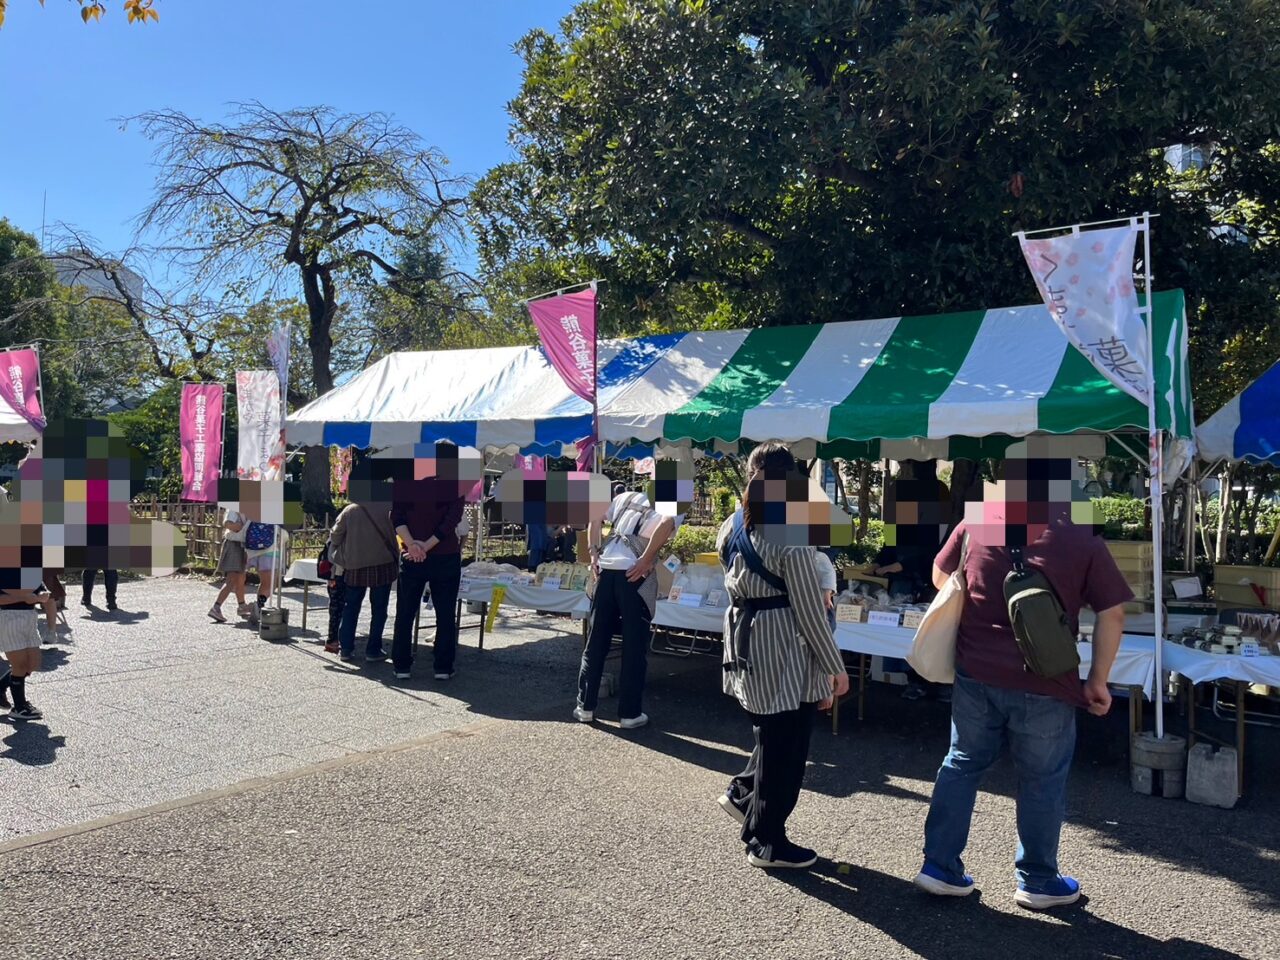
793,654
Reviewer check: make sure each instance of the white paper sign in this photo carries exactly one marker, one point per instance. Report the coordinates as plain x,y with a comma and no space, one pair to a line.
1187,587
884,618
672,563
689,599
550,583
715,598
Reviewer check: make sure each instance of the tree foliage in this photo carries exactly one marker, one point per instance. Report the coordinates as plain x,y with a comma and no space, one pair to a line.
137,11
310,202
784,161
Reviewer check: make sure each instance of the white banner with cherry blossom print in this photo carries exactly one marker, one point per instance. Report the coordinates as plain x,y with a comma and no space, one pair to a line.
1086,280
261,439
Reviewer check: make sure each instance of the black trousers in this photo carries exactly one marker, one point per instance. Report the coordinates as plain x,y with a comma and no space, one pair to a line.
110,577
337,601
617,606
443,574
768,788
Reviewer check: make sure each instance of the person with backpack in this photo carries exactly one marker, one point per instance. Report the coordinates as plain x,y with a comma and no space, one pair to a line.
625,598
1016,676
780,661
263,552
363,544
233,561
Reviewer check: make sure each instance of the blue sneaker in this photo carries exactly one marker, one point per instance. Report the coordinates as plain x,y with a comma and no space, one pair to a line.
935,881
1058,892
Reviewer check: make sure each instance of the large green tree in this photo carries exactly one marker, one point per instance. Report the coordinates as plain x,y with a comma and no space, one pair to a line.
787,161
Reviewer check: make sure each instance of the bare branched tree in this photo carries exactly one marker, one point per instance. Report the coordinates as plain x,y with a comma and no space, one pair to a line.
272,202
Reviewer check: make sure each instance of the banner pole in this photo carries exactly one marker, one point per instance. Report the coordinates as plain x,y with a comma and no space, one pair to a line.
597,453
1156,441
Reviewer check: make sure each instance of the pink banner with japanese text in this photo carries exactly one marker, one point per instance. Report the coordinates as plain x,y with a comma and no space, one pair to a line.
567,326
19,377
200,431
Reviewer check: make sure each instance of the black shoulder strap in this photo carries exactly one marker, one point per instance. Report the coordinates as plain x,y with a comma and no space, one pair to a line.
740,543
1018,565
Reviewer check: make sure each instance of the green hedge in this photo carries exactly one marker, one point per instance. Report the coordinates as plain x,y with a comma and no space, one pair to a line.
690,541
1122,517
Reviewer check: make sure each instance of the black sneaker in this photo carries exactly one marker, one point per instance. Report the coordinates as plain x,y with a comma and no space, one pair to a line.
111,605
29,712
86,602
784,855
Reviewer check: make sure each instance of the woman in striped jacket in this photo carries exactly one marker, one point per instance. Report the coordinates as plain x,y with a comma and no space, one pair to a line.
780,661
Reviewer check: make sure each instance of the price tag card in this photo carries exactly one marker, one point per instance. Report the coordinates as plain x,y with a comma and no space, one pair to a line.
690,599
550,583
672,563
715,598
850,613
506,578
674,595
885,618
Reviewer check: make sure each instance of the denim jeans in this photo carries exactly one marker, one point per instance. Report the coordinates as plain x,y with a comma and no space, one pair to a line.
1041,732
379,597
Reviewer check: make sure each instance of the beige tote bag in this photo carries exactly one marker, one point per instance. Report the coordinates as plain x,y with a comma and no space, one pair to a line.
933,651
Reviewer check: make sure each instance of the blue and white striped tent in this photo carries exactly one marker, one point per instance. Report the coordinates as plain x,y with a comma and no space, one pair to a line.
1248,425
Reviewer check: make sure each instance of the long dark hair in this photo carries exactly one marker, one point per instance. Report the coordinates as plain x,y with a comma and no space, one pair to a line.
770,459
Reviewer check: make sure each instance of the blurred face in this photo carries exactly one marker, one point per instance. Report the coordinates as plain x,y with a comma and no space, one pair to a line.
1029,495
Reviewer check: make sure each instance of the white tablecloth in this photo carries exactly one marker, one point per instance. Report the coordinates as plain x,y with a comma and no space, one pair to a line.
530,597
1134,666
304,570
1199,666
674,616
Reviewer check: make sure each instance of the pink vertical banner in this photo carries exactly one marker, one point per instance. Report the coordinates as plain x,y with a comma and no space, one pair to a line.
567,326
200,431
19,376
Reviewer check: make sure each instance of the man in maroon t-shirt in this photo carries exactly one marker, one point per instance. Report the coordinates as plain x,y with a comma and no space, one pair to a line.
996,699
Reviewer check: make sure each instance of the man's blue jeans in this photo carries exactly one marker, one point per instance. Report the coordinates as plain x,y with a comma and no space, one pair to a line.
1041,732
378,600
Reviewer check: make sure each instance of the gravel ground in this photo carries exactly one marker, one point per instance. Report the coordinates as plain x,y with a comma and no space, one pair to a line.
474,820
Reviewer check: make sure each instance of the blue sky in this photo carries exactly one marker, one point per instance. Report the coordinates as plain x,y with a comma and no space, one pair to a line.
443,68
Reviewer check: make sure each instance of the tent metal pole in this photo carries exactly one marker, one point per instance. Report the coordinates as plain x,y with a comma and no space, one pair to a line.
1157,479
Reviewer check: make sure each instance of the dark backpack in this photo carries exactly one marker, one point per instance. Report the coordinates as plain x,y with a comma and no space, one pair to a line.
1040,626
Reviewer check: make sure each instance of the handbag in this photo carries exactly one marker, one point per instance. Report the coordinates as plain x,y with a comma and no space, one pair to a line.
933,651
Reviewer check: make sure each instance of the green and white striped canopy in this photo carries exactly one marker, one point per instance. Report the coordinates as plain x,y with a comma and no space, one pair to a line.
999,373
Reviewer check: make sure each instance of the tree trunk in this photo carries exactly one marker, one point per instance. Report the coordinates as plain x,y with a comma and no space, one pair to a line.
1224,504
964,476
321,298
864,498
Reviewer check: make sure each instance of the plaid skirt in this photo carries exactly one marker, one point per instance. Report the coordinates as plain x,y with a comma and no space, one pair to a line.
233,558
18,630
375,576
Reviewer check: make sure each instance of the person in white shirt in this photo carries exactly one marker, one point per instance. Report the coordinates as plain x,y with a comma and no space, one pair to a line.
626,596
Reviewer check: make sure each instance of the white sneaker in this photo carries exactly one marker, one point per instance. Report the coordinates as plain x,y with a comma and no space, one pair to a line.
583,716
634,723
216,614
246,611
